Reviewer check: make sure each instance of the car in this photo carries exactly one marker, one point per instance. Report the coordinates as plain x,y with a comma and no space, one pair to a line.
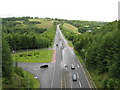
56,44
65,65
72,66
44,66
74,77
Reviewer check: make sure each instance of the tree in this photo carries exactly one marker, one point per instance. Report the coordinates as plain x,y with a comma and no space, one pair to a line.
6,60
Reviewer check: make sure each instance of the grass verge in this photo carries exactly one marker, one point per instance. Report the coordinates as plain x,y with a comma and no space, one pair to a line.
70,44
31,82
40,56
70,27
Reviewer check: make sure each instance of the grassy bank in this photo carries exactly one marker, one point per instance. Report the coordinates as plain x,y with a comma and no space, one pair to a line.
31,82
70,44
70,27
40,56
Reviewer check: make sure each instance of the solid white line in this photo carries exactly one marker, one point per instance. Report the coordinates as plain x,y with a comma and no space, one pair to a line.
80,84
78,75
34,69
53,76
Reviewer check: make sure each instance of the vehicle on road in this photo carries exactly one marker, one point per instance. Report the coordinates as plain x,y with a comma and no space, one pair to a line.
74,77
56,44
65,65
44,66
72,66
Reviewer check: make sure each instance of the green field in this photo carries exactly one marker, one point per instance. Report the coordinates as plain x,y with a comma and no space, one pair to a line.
40,56
45,23
70,28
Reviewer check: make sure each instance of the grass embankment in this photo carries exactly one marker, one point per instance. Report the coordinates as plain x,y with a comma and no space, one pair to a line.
30,80
22,79
44,23
70,27
70,44
40,56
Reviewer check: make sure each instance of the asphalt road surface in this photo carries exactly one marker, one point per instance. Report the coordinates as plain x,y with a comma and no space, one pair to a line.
57,75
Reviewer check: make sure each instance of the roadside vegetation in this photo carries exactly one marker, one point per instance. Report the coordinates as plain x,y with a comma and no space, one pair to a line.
12,76
99,50
70,44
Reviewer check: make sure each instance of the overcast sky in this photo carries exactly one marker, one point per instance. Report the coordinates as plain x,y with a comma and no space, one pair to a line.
91,10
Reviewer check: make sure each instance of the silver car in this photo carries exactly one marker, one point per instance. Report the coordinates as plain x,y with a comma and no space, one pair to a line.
72,66
74,77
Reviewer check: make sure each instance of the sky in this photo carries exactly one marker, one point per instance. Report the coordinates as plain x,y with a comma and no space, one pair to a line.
90,10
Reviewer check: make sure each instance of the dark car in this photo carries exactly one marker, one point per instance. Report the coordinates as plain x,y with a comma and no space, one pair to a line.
72,66
74,77
44,66
56,44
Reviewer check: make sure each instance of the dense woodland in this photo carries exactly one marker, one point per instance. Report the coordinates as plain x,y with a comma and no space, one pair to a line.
18,34
100,51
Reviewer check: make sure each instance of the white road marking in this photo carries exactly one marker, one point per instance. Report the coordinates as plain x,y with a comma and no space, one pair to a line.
78,65
53,77
78,75
35,77
80,84
35,69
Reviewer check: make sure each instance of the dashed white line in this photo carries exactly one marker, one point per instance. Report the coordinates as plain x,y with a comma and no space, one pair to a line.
80,84
78,65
